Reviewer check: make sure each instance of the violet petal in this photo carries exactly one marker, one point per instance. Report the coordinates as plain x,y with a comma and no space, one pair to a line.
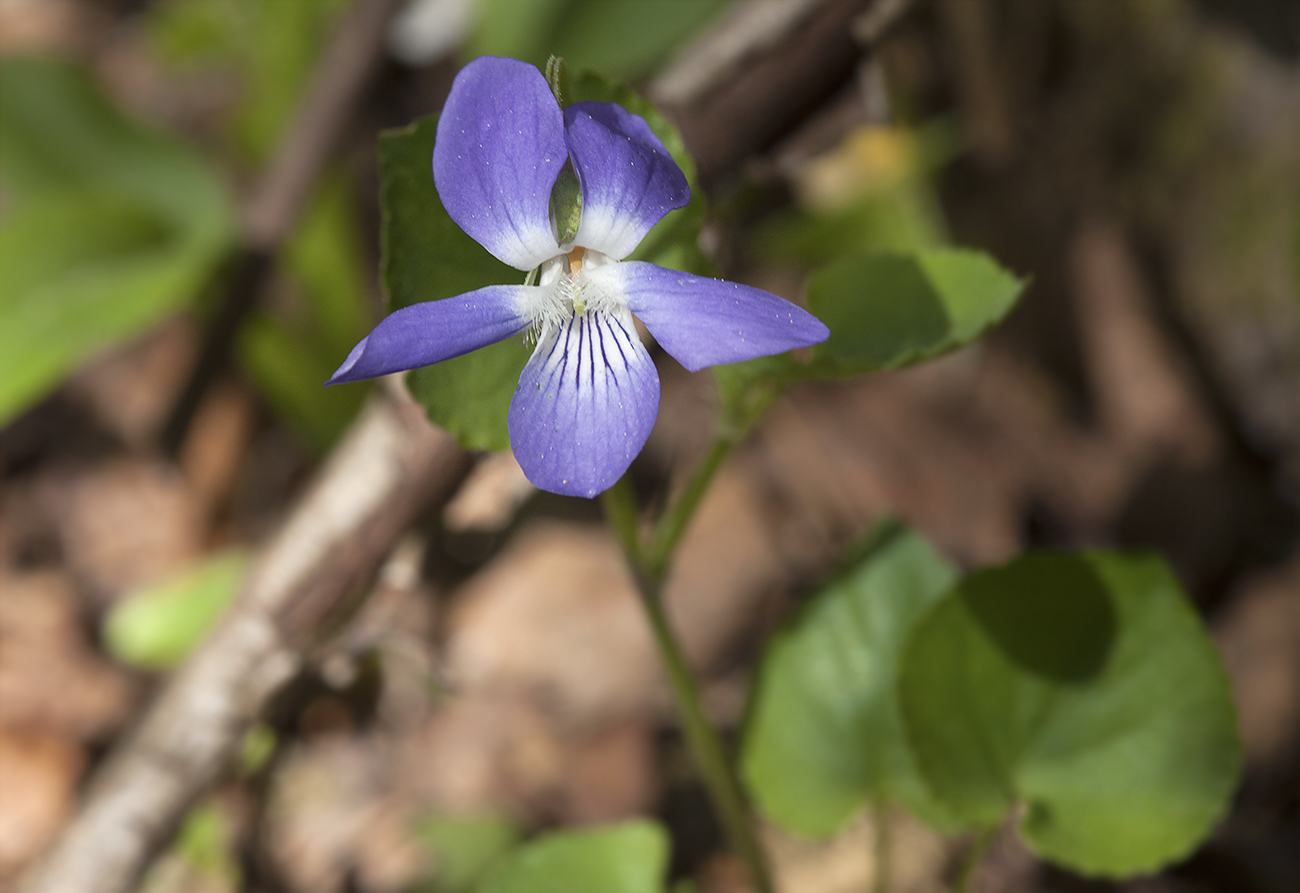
629,180
423,334
585,405
704,322
499,148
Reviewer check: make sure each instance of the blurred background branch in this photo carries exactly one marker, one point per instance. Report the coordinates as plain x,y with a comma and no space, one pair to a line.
382,476
276,201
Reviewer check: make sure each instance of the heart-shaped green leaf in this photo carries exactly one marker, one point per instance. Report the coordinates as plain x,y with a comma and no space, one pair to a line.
1083,690
824,736
887,310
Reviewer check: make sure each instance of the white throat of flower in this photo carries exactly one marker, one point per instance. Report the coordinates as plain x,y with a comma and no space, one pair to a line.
570,288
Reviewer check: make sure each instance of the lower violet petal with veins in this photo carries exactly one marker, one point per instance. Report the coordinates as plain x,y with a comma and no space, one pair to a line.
585,404
588,397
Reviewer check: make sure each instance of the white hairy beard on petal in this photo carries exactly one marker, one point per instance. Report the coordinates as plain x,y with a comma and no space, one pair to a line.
567,290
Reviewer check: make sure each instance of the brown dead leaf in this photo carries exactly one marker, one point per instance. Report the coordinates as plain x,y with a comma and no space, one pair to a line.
38,774
494,752
328,820
1260,641
131,387
50,679
611,775
490,496
556,615
126,522
218,439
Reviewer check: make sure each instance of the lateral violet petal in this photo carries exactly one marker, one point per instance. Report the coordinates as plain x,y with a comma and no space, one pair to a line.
499,148
585,405
629,180
705,322
423,334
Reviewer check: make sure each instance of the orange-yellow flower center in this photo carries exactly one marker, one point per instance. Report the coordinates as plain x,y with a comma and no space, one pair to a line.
574,260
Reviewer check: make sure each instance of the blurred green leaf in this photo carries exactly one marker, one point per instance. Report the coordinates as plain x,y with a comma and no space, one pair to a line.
896,220
290,370
60,134
870,193
111,225
194,33
824,736
272,47
79,270
157,628
1083,690
465,848
325,258
283,42
627,858
204,842
625,40
256,748
290,354
287,350
891,310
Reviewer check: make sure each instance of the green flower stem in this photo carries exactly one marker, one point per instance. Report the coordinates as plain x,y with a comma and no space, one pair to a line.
619,503
649,568
705,743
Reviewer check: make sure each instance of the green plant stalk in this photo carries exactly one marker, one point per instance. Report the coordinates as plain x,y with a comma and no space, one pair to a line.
649,569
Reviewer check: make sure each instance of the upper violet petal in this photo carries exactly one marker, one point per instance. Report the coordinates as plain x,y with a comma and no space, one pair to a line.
585,405
704,322
423,334
629,180
499,148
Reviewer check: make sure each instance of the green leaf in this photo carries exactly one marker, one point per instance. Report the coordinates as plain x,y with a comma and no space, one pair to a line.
59,133
204,841
628,858
111,226
271,48
465,848
78,271
290,355
290,369
156,628
470,395
1083,690
890,310
824,735
426,257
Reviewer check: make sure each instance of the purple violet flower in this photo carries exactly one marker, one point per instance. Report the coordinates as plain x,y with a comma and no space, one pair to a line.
589,395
